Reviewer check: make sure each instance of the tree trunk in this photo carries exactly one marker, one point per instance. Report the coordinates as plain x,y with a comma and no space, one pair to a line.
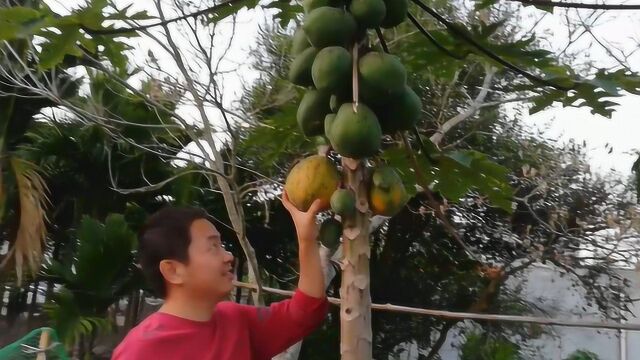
228,188
131,312
355,307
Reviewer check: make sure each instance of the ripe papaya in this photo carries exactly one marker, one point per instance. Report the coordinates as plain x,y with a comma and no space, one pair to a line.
396,13
299,42
381,75
387,194
314,177
300,70
355,134
401,112
343,202
331,69
368,13
328,26
312,110
330,232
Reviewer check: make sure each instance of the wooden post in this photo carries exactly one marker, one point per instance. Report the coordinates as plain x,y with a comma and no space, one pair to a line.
43,344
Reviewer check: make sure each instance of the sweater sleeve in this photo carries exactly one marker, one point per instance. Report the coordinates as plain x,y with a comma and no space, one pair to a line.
275,328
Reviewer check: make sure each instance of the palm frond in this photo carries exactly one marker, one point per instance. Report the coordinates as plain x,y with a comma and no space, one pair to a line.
28,246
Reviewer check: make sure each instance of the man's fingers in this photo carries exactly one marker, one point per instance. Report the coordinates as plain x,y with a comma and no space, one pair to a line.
315,207
285,201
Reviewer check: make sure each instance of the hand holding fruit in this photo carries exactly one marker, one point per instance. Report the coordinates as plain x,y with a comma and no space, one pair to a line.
304,221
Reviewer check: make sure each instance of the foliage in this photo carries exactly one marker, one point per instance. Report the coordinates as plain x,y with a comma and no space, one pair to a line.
582,355
483,347
493,159
23,193
102,273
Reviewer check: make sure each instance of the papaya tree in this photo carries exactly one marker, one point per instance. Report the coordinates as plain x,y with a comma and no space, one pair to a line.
276,138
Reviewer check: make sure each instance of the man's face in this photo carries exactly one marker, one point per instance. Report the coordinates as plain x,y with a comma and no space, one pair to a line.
209,271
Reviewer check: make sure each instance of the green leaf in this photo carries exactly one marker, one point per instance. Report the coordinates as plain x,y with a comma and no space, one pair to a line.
543,101
463,171
288,11
483,4
58,46
463,157
490,29
455,175
122,15
14,20
114,51
92,15
231,9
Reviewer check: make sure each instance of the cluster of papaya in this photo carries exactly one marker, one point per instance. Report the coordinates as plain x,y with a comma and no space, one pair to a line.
332,58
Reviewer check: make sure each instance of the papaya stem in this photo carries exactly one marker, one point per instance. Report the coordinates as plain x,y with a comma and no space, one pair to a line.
355,77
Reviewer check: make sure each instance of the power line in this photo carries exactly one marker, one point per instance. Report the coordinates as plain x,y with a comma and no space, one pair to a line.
433,40
574,5
453,315
454,30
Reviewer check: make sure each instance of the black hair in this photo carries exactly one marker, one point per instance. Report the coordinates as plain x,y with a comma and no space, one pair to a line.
166,236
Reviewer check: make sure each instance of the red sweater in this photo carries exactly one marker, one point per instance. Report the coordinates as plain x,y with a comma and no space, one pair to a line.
235,332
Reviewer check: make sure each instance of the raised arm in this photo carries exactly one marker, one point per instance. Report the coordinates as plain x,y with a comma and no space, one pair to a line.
282,324
311,281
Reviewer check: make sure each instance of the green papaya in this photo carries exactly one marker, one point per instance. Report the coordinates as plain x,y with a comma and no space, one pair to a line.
368,13
312,110
331,69
401,112
328,122
343,202
334,103
300,69
381,75
330,232
342,95
337,100
310,5
355,134
299,42
396,13
328,26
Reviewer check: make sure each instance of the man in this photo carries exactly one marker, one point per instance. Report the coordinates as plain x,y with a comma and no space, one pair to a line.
182,256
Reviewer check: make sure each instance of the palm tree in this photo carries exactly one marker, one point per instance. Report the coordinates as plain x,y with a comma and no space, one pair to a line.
103,272
23,192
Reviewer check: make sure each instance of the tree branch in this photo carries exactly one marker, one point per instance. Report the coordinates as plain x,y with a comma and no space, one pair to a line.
116,31
471,110
231,199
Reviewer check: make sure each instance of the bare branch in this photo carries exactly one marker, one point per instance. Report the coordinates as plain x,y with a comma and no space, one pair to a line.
471,110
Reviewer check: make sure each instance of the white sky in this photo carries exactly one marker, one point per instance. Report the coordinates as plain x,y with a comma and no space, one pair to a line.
622,29
619,28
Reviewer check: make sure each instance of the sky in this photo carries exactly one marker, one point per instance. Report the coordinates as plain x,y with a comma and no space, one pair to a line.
611,142
622,30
